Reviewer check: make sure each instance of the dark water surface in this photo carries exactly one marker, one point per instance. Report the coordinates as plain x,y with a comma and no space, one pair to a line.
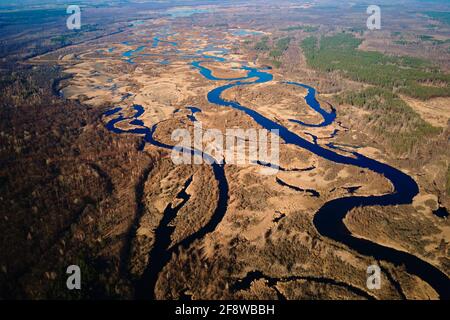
329,219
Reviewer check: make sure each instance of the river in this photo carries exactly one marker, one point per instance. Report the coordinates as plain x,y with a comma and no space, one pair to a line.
329,218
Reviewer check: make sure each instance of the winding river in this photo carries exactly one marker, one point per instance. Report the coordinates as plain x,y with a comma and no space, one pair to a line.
329,219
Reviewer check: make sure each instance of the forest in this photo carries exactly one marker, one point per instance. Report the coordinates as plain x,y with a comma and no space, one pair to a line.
275,48
391,118
411,76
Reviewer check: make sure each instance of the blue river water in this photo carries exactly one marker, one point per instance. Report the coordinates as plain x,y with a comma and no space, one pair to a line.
193,110
129,54
328,117
157,41
329,219
244,32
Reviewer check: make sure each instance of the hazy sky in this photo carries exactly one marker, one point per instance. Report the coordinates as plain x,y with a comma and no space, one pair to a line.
9,3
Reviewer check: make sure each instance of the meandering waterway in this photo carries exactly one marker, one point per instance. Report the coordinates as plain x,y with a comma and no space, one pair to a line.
329,218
